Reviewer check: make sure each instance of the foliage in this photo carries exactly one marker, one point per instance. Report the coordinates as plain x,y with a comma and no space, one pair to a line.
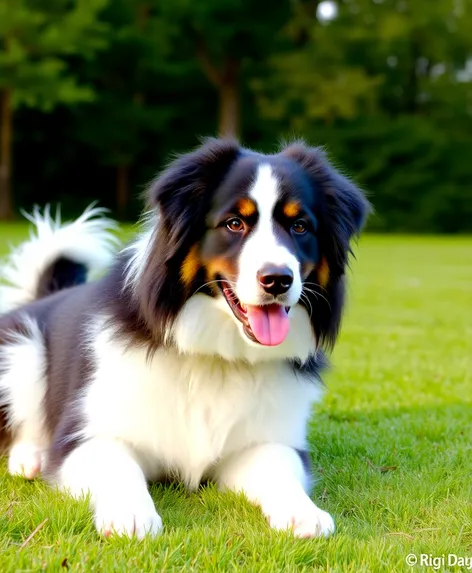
386,86
38,40
391,446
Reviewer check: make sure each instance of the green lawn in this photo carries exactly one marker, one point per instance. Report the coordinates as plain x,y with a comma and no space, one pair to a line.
391,444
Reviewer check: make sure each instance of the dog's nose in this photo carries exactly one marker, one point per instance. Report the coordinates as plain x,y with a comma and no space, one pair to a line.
275,280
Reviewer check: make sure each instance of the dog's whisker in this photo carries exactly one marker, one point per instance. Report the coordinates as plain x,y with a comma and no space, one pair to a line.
215,281
316,285
317,295
304,297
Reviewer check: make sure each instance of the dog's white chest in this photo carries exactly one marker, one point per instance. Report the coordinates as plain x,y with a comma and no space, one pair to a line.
182,413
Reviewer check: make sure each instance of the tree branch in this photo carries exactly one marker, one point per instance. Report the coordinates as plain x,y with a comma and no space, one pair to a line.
210,70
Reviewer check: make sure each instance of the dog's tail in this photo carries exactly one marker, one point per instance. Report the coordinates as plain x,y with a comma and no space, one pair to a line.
56,256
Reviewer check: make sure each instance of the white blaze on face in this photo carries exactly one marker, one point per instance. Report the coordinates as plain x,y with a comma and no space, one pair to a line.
262,247
269,323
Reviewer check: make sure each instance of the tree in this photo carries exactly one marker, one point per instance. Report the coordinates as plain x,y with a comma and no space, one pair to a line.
38,40
386,86
130,76
223,36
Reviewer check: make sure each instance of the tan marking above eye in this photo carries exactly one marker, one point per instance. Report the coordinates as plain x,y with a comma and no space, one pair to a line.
291,209
190,266
246,207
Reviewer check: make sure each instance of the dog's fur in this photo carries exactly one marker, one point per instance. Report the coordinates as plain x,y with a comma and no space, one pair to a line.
177,363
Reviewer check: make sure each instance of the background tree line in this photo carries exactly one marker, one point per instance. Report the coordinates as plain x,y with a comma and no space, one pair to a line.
95,96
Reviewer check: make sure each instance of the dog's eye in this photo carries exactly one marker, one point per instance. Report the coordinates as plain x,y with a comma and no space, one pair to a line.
299,227
235,224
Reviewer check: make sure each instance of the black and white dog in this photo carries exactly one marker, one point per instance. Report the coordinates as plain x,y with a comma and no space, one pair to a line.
198,354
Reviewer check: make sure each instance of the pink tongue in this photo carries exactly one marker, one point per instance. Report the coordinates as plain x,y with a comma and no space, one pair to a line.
269,323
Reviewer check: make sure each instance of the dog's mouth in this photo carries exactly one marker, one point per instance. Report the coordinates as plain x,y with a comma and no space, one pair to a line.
265,324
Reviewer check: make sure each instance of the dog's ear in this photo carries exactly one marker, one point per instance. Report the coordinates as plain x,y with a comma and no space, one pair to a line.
345,206
182,192
344,210
181,195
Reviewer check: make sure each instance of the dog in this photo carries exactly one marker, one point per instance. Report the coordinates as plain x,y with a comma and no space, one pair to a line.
197,352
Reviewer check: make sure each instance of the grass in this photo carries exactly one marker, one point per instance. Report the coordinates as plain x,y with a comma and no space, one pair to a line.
391,444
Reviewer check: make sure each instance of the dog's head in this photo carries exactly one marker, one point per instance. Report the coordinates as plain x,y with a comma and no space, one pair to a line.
249,251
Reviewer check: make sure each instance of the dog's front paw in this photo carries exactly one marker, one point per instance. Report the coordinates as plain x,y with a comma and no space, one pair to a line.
304,520
127,518
25,460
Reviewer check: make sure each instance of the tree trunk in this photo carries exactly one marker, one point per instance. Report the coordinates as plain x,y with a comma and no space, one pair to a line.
226,80
6,140
228,122
229,113
122,190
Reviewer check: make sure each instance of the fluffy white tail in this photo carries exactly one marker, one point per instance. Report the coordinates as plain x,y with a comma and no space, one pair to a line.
86,244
